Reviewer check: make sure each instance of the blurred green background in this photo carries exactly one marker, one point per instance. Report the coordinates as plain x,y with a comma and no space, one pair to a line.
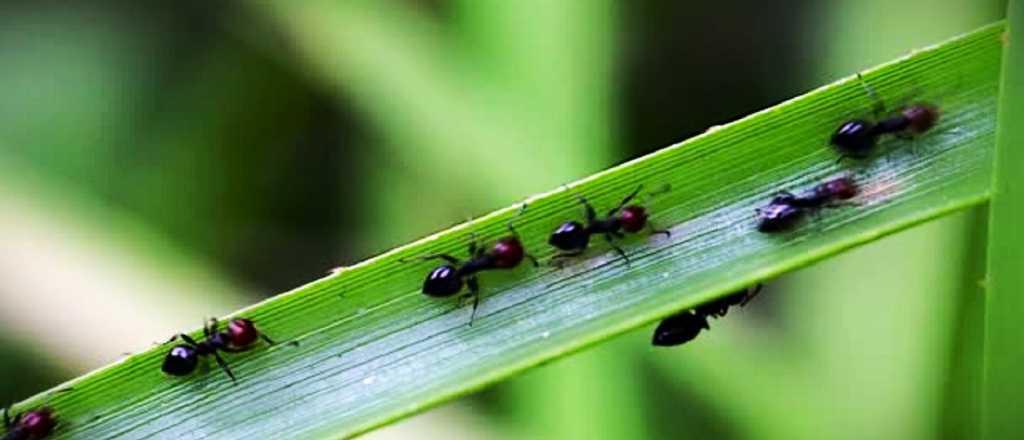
164,162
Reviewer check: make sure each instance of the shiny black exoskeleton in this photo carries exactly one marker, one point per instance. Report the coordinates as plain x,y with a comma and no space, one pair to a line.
448,279
786,209
679,329
684,326
573,237
32,425
239,335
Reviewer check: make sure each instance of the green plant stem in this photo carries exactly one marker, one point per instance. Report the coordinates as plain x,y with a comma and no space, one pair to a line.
1004,352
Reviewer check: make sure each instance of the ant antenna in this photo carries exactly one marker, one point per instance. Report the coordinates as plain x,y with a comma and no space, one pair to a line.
588,209
626,200
522,210
445,257
657,192
879,107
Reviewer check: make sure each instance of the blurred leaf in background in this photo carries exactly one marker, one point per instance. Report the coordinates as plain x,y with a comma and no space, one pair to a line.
163,163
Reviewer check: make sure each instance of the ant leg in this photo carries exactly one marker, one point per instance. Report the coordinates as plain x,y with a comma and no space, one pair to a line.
474,290
445,257
626,200
210,328
188,339
879,107
753,292
7,417
611,242
557,259
472,246
666,232
267,339
532,260
224,366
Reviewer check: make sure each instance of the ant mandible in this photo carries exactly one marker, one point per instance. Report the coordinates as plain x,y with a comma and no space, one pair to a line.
857,137
32,425
447,279
239,336
786,209
573,237
684,326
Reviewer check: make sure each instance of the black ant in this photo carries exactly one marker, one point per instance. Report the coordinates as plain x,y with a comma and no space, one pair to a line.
786,209
573,237
447,280
239,336
856,138
32,425
686,325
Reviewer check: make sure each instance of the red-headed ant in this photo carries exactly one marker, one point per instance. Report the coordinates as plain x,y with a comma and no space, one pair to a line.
786,209
857,137
447,280
684,326
573,237
32,425
239,336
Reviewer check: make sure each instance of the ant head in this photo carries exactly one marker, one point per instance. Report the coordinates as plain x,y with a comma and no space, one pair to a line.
570,236
181,360
777,217
508,252
633,218
38,423
443,281
920,117
841,188
855,137
241,332
679,329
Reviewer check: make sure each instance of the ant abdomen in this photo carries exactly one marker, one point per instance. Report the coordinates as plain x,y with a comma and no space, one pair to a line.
443,281
570,236
679,329
180,361
856,137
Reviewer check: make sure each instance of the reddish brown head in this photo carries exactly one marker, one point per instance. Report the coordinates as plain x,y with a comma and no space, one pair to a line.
37,424
841,188
507,252
633,218
921,117
242,332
